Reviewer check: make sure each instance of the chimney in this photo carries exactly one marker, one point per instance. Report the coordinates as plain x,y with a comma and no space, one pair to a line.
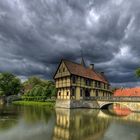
91,66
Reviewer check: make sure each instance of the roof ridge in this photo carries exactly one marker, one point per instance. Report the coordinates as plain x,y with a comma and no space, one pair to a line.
71,61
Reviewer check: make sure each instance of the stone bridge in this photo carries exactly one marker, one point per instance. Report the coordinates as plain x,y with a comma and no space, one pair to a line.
133,103
9,99
133,106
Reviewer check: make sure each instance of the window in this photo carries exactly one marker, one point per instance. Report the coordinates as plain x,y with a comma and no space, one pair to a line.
107,86
63,69
104,86
96,93
73,92
73,79
87,93
81,79
95,83
99,84
67,93
88,82
59,94
81,92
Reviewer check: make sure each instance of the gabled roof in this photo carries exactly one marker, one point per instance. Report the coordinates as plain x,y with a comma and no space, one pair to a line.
80,70
128,92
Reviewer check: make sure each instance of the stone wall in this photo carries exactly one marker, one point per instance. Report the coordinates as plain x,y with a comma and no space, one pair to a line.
62,103
76,104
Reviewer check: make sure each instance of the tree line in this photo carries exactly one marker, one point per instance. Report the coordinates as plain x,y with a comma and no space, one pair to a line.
33,88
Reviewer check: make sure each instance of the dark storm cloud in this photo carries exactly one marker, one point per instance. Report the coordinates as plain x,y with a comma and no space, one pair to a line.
36,34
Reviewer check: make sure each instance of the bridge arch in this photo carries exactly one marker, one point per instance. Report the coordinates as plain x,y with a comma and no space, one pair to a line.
105,105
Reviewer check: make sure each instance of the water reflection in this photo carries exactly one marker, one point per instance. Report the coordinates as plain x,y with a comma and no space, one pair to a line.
8,117
119,110
26,123
79,125
30,123
32,115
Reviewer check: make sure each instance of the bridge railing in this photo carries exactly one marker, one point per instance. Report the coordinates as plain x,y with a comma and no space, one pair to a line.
114,98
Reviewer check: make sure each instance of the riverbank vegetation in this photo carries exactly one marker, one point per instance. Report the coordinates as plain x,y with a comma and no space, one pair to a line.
48,104
34,91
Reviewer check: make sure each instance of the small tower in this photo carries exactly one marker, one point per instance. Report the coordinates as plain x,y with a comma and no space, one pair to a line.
82,60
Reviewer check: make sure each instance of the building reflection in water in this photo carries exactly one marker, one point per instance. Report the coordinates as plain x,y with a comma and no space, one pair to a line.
26,123
79,125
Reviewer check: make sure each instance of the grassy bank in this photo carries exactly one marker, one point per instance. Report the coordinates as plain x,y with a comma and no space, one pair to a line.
48,104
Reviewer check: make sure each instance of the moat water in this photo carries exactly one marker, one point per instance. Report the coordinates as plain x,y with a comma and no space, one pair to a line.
39,123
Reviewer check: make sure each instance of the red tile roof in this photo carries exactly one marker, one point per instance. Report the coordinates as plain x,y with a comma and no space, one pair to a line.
80,70
128,92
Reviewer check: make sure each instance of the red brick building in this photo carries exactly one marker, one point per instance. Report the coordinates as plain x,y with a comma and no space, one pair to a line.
127,92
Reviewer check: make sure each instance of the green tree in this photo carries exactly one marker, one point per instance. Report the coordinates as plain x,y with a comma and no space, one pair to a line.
47,91
38,90
9,84
39,87
53,90
50,90
33,81
138,72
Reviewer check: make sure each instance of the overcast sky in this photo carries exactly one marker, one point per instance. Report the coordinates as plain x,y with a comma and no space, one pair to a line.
36,34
